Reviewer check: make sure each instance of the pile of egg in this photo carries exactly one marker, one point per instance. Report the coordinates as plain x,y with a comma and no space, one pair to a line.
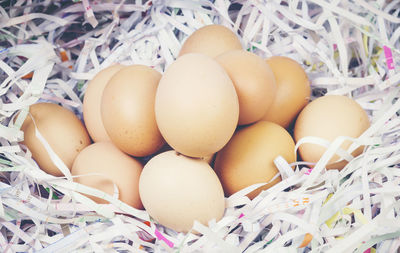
209,126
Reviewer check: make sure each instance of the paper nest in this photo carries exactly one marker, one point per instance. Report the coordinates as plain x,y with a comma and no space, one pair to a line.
347,47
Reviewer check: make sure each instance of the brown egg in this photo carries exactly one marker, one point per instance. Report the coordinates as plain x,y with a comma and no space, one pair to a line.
293,90
127,110
209,159
254,83
328,117
92,100
177,190
249,156
63,131
113,167
196,106
211,40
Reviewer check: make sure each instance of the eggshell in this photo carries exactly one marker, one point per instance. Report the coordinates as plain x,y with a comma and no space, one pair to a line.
63,131
92,101
127,110
112,166
177,190
328,117
254,83
196,106
293,90
249,156
211,40
209,159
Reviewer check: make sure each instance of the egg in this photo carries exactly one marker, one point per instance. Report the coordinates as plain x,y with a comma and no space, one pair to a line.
101,165
329,117
92,101
127,110
254,83
293,90
209,159
211,40
177,190
63,131
196,106
249,156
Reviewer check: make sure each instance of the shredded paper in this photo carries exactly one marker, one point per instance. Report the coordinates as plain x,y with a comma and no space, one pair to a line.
50,49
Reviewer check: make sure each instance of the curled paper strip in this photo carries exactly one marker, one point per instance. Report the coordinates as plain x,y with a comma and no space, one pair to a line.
47,53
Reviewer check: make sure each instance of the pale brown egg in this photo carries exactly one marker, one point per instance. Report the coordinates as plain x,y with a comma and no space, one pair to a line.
92,101
328,117
209,159
177,190
249,156
101,165
196,106
127,110
293,90
211,40
61,128
254,83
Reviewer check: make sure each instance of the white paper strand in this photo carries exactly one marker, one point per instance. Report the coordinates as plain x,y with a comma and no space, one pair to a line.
347,48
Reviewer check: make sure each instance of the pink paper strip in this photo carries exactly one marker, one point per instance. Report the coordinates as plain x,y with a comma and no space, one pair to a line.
161,237
389,57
